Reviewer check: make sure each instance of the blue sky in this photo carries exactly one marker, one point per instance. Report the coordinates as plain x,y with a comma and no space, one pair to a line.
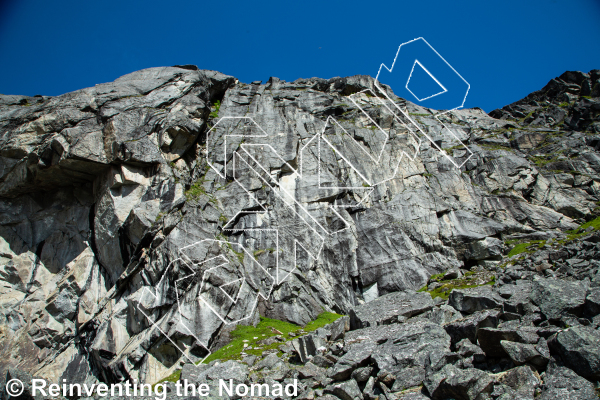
504,49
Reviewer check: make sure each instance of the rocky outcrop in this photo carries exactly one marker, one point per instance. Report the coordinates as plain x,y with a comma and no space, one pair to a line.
140,220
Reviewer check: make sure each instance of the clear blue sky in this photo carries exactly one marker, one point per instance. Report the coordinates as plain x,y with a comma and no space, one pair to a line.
504,49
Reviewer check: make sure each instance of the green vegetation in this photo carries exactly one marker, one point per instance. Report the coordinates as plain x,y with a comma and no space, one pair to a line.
250,336
527,116
419,114
534,245
197,188
217,106
323,319
526,247
582,230
541,161
564,104
488,146
262,251
450,150
469,280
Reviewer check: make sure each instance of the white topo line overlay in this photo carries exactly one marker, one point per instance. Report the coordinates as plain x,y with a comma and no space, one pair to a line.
244,156
437,116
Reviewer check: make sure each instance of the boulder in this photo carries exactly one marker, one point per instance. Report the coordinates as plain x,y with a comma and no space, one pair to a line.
387,308
347,390
488,248
490,338
468,327
521,353
306,346
563,383
578,348
310,370
474,299
357,356
408,378
451,382
362,374
556,297
592,303
523,380
444,314
192,372
338,328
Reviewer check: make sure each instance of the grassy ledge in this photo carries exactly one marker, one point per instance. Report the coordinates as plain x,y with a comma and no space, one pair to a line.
246,338
471,279
534,245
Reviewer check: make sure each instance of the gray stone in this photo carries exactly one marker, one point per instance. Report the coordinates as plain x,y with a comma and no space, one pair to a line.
522,380
555,297
444,314
452,382
468,327
578,349
268,362
310,370
362,374
192,372
592,303
521,353
474,299
306,346
357,356
347,390
386,309
562,383
488,248
490,338
339,327
105,196
408,378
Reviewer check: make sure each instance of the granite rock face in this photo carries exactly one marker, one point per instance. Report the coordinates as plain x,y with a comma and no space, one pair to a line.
140,220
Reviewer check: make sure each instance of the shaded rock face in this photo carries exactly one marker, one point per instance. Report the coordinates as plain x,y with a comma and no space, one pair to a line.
128,209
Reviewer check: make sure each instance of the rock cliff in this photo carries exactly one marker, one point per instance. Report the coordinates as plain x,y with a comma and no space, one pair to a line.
141,220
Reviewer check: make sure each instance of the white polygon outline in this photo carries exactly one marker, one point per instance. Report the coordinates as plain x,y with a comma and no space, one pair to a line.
239,290
444,90
321,136
204,275
436,116
155,325
298,173
281,192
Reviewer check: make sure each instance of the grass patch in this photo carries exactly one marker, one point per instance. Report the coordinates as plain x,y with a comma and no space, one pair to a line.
581,230
215,113
251,335
471,279
322,320
542,161
525,247
450,150
488,146
266,328
197,188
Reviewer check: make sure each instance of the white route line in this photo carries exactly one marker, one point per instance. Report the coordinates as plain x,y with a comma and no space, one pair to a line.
290,200
436,116
444,90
